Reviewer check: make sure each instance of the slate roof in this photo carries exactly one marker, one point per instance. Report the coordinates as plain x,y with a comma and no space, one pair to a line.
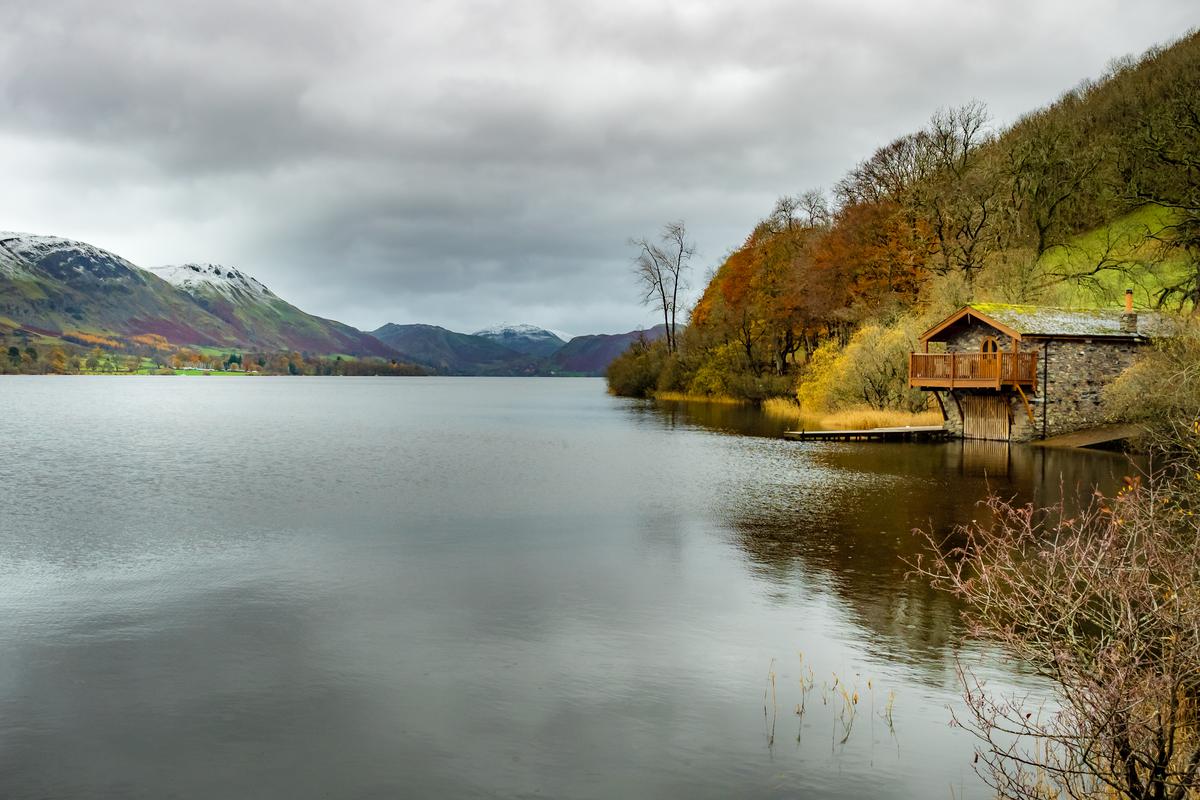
1045,321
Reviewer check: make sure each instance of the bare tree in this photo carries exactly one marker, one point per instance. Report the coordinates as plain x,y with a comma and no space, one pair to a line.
1049,171
889,174
661,269
1116,253
814,207
807,210
783,215
955,134
1104,601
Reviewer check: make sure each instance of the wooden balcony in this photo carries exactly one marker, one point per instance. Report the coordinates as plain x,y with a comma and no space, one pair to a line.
972,370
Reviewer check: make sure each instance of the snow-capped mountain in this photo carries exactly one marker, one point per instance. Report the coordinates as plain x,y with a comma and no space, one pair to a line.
527,339
62,259
257,314
55,286
228,282
59,285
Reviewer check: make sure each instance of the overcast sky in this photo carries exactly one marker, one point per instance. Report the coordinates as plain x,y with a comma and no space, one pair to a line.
466,162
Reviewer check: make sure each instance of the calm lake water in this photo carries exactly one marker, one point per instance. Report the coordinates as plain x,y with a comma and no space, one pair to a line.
452,587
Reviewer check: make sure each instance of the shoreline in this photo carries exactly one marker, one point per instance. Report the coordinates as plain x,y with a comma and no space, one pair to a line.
784,408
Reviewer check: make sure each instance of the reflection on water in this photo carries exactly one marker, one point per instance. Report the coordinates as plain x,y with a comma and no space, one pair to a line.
982,457
855,532
738,418
472,587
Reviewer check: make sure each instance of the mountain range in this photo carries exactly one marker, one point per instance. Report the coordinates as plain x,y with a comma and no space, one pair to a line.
59,289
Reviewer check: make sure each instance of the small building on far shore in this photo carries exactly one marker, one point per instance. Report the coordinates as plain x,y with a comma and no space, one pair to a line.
1018,373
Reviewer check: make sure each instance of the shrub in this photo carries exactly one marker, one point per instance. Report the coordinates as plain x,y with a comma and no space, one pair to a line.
1102,601
1161,391
713,377
871,370
635,372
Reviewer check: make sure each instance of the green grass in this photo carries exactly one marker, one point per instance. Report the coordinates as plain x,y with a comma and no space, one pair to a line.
155,371
205,372
1146,270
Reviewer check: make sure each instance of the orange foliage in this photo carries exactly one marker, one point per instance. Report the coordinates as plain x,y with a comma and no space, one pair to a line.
876,254
91,339
151,340
791,285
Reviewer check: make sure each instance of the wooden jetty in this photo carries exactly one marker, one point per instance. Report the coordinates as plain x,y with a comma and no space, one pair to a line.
912,433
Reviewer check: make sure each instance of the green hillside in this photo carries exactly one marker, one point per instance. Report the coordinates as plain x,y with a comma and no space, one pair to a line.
1094,269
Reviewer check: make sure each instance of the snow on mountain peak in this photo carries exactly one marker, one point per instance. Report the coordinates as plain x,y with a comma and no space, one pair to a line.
526,339
506,329
62,257
226,281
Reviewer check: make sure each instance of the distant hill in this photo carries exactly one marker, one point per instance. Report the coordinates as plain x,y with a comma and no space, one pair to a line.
452,353
53,287
483,353
527,339
591,355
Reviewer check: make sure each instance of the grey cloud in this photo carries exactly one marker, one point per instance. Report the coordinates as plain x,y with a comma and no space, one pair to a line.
467,161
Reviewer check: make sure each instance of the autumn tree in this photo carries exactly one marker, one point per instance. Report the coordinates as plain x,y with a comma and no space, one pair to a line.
765,298
660,268
58,360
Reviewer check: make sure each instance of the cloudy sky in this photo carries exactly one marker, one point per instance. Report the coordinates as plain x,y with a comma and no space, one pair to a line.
465,162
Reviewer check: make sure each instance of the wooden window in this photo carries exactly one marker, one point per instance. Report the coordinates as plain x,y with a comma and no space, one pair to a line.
989,345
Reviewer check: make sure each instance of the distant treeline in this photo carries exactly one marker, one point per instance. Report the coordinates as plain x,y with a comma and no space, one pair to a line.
80,353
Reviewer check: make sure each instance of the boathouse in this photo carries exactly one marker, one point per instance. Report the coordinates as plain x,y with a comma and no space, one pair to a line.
1017,373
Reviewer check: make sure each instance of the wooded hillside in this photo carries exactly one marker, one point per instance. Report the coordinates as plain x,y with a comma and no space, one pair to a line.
1075,201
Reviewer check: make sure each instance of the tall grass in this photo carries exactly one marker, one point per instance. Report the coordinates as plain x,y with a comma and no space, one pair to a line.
856,418
684,397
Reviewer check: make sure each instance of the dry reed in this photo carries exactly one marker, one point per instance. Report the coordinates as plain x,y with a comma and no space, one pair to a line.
684,397
857,418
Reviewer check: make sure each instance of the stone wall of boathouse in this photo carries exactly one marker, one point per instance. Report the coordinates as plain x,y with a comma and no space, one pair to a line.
1075,373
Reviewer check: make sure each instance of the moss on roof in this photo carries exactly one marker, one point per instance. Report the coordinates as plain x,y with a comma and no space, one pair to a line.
1047,321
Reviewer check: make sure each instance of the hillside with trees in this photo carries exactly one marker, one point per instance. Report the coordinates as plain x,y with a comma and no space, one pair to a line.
1068,206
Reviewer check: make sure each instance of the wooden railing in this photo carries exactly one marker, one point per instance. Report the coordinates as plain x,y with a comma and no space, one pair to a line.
972,370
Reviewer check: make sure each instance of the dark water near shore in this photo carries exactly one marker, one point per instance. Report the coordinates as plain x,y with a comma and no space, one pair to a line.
304,588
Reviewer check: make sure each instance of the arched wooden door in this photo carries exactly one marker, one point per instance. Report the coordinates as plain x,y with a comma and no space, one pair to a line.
990,359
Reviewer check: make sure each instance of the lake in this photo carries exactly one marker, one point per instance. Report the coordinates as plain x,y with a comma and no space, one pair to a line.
455,587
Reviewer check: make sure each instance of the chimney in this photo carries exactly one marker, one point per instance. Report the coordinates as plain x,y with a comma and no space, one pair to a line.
1129,318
